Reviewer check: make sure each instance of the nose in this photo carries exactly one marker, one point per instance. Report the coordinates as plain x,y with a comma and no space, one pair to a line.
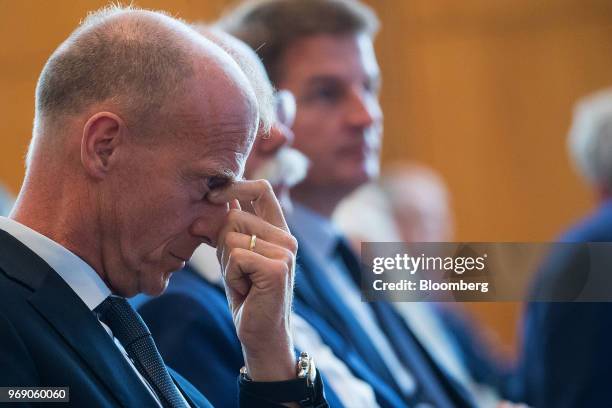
207,226
364,110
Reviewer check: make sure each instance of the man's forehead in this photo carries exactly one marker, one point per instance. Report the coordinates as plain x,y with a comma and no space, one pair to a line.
227,166
326,57
219,130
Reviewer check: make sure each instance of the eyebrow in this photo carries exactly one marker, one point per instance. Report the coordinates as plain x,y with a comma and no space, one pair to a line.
375,80
226,174
323,79
223,176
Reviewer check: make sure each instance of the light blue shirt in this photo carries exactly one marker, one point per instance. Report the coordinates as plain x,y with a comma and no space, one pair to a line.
319,236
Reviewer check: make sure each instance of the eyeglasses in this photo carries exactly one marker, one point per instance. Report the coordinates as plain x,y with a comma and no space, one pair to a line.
285,107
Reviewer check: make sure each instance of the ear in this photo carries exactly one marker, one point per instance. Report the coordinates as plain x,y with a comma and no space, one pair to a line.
278,136
102,135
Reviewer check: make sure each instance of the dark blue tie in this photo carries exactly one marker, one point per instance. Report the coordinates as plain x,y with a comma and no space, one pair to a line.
322,297
133,334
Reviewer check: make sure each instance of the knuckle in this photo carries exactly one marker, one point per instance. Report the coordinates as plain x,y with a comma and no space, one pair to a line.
264,185
234,255
281,271
232,239
291,243
288,258
233,215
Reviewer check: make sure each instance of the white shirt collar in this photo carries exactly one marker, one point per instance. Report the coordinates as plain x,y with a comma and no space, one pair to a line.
81,277
204,262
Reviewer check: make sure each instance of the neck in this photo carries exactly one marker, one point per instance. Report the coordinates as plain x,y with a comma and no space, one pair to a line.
60,214
322,200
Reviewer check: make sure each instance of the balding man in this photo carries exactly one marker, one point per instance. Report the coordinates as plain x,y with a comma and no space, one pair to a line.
140,134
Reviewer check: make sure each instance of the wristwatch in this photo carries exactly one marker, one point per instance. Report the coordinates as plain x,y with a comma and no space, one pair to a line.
306,389
306,368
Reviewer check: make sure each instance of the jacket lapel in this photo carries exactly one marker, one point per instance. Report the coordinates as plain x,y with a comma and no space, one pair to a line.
193,397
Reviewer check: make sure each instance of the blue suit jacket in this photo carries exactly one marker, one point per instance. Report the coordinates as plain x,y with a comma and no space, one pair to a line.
393,326
484,366
48,337
194,331
567,347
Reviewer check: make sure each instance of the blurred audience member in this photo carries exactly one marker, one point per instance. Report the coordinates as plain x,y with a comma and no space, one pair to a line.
419,202
6,202
566,356
410,203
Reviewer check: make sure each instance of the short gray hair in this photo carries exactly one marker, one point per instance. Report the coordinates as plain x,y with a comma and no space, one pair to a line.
131,62
590,138
252,67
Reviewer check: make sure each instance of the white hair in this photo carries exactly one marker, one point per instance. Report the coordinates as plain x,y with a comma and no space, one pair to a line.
590,138
252,67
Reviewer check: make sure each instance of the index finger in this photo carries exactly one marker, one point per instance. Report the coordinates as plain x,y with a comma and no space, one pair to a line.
259,193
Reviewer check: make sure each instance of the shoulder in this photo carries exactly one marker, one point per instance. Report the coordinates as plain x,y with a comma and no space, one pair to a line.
595,227
18,368
190,293
189,305
14,305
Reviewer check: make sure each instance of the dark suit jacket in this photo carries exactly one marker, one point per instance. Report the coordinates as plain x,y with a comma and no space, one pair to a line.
194,331
484,366
48,337
392,325
567,347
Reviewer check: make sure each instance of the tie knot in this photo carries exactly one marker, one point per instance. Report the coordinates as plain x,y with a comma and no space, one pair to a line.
125,323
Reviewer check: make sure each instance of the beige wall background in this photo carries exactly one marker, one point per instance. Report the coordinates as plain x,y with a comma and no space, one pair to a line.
480,90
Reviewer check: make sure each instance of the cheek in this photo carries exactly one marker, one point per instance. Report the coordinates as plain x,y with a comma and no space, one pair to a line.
158,222
315,137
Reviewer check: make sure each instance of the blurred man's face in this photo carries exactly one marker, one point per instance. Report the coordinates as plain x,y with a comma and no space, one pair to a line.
338,123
